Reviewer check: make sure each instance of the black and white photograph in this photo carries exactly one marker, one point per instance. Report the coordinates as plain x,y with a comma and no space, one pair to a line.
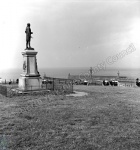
70,75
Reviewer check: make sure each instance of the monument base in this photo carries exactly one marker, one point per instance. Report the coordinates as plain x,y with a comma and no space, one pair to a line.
30,78
30,83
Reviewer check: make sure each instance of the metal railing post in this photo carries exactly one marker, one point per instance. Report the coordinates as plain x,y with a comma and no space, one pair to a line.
53,83
72,85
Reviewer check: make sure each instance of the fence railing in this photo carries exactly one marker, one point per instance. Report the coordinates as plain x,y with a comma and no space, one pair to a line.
3,90
58,84
48,83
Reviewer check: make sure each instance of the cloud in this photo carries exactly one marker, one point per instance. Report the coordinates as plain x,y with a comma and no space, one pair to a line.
65,32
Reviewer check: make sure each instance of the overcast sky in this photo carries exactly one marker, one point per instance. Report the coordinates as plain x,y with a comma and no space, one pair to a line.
70,33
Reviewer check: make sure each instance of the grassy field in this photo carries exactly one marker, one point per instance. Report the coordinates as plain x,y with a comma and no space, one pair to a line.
108,118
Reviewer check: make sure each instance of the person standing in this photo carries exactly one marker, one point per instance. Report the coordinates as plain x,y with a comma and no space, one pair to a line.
28,36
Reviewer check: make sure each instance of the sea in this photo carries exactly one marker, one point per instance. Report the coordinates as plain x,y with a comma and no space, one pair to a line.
13,74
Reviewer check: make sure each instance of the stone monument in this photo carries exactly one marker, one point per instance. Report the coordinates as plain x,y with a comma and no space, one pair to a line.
30,78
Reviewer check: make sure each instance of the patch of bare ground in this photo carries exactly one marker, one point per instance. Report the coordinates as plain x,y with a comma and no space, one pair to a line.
108,118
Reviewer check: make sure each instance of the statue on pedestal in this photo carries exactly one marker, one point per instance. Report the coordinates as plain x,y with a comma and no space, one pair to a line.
30,79
28,36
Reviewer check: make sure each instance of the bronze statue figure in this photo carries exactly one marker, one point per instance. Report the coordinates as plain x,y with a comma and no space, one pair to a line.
28,36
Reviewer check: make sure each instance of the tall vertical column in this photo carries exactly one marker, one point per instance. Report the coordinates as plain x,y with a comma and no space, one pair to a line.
30,78
30,63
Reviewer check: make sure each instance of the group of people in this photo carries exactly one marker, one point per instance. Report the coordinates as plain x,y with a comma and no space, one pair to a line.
112,83
137,82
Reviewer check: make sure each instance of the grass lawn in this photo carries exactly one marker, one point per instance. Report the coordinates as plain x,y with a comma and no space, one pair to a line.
108,118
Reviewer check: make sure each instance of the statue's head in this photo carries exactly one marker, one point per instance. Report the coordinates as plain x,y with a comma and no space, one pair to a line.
28,24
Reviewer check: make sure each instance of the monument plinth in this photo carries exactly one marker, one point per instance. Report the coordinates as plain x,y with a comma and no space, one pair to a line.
30,78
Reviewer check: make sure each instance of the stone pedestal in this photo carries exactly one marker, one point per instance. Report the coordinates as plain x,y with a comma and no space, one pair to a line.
30,78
